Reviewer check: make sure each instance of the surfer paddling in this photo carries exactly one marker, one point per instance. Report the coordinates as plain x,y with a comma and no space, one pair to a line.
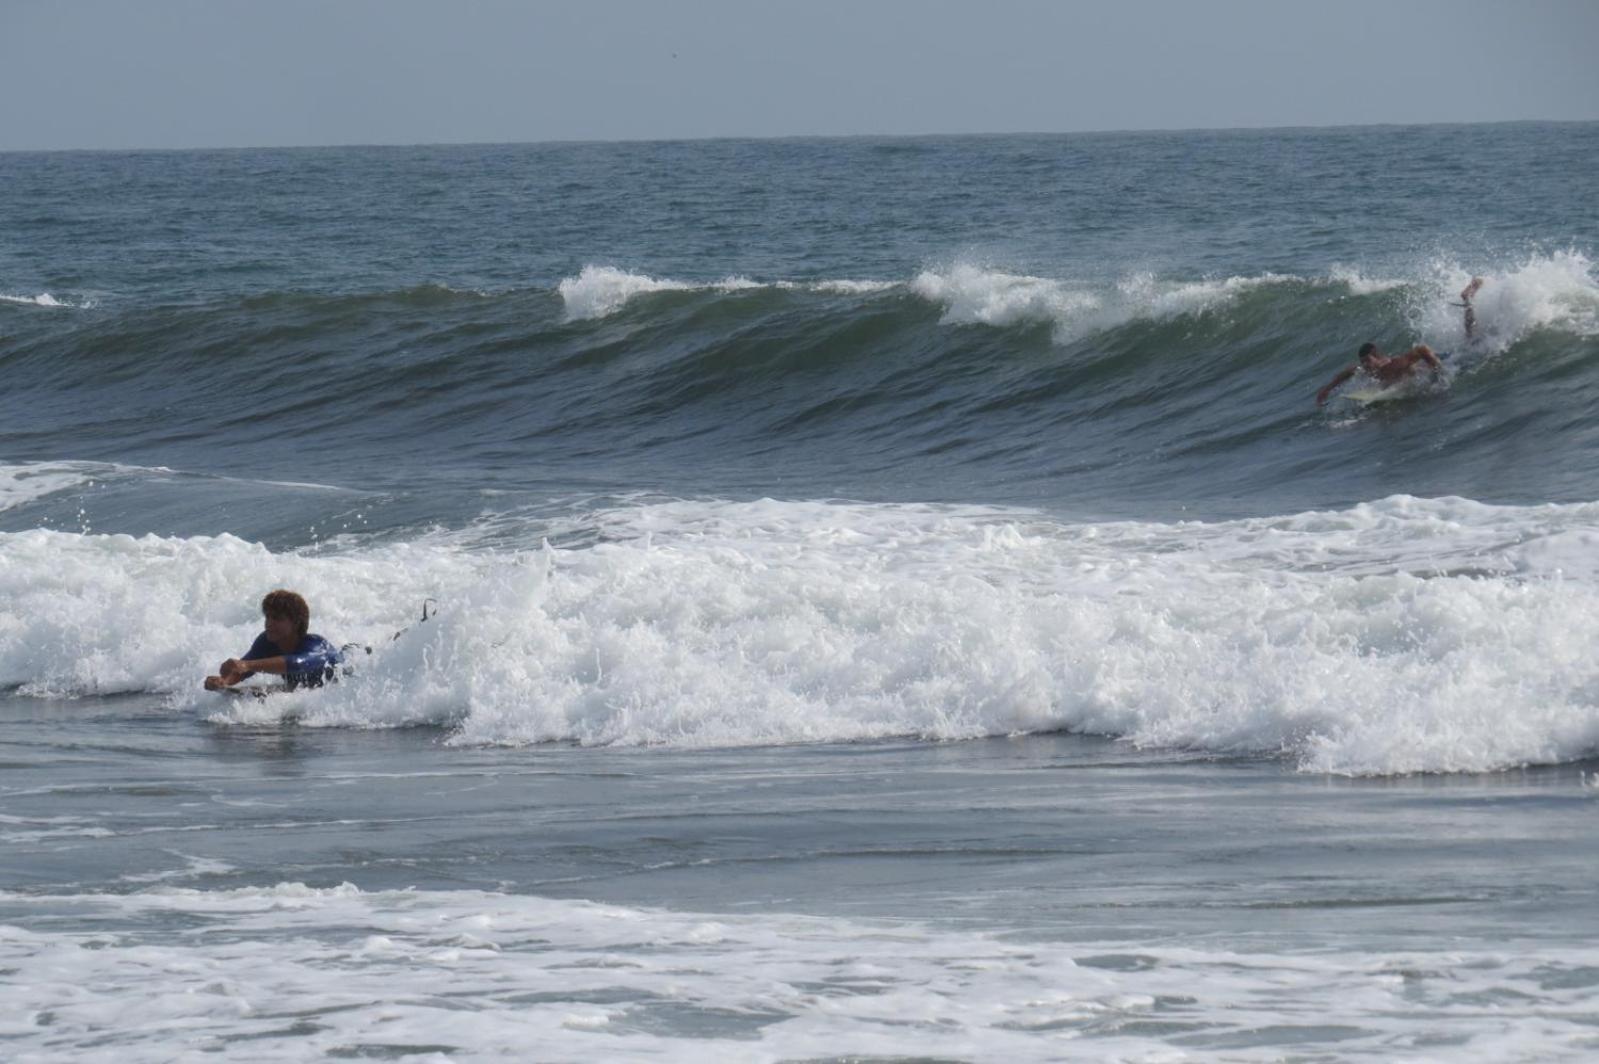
1386,370
287,648
1389,370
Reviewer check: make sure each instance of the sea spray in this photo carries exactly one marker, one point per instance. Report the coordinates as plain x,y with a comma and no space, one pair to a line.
1558,292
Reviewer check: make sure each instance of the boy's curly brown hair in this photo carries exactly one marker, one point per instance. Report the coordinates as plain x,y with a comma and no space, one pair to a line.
287,604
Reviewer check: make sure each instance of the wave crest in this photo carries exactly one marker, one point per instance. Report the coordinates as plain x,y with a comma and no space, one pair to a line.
602,290
45,299
976,295
599,291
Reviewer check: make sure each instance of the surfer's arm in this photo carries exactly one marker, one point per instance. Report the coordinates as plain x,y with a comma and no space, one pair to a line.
1343,375
1423,353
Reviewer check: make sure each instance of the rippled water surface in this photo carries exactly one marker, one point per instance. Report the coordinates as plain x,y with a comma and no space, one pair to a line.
886,599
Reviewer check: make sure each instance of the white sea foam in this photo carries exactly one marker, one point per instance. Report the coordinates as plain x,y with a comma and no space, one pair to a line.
1544,291
977,295
24,482
91,614
294,973
1359,284
1558,291
846,287
43,299
972,295
602,290
1142,295
1403,635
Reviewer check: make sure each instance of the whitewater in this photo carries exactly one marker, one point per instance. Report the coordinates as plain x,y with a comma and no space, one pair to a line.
804,600
1400,636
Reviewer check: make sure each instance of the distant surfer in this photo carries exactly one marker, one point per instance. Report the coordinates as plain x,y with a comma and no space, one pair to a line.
287,648
1389,370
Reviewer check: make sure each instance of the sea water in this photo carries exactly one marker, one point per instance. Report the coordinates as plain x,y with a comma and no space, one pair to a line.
890,599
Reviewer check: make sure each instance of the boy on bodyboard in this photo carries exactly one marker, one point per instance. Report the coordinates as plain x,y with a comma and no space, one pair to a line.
286,648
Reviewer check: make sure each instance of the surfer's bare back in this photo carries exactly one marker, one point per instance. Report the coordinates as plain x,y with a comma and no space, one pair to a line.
1386,370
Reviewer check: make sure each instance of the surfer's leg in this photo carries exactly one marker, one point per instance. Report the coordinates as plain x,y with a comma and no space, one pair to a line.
1471,312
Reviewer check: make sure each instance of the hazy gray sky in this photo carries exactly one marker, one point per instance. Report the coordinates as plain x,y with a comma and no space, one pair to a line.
202,73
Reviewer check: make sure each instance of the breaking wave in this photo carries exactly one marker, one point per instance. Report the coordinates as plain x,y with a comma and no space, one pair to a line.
1399,636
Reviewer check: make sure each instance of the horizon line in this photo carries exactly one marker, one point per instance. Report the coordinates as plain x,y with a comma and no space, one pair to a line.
557,141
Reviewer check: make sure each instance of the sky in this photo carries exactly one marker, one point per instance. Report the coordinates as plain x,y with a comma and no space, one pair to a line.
116,74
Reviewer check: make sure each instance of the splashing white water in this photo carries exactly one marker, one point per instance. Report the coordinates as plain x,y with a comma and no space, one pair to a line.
43,299
973,295
1543,291
976,295
1558,291
602,290
847,287
1406,635
1353,278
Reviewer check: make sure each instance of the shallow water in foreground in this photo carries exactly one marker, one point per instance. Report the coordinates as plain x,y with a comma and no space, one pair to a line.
174,887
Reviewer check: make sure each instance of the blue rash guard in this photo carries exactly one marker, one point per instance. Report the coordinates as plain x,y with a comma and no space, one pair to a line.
313,660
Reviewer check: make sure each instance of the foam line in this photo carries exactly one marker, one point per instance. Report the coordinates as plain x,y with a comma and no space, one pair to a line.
43,299
295,972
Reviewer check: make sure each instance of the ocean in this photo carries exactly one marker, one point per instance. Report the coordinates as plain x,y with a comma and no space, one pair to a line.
886,599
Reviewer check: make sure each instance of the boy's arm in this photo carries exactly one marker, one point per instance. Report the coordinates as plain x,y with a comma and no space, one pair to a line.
278,666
